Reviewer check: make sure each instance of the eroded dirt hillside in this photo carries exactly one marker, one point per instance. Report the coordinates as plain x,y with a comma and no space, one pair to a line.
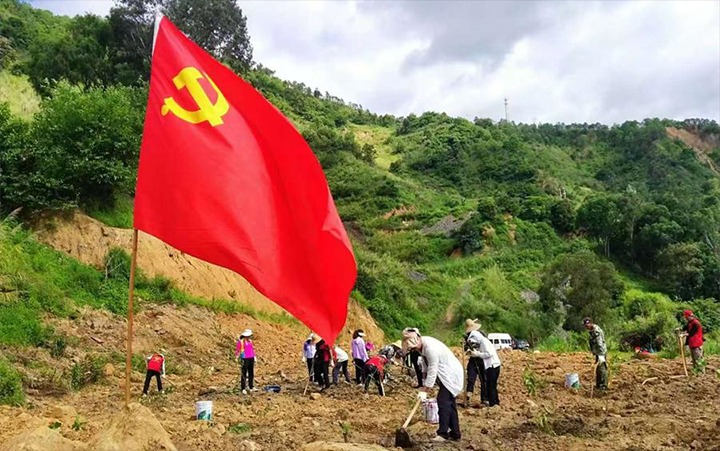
89,241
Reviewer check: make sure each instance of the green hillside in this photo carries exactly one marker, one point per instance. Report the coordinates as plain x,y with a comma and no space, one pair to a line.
527,227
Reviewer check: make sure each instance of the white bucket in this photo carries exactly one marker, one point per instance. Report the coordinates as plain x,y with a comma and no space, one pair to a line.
430,411
572,380
203,410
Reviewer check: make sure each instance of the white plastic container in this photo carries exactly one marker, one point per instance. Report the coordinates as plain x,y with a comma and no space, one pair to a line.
572,380
430,411
203,410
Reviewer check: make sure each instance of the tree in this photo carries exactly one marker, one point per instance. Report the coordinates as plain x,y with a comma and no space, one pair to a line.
469,236
579,285
218,26
599,216
680,269
78,53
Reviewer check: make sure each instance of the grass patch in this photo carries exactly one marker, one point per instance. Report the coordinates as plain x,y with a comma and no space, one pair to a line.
18,93
119,215
11,391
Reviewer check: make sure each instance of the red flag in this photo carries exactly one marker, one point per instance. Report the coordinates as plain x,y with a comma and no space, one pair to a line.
225,177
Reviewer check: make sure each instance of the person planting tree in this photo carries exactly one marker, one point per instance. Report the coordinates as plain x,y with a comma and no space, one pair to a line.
694,338
245,353
156,369
445,369
598,347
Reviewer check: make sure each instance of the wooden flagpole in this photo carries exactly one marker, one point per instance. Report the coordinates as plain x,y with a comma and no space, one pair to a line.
128,351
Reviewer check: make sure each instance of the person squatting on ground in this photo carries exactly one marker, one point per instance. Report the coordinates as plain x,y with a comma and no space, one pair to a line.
323,358
475,365
245,353
359,354
415,359
309,356
155,368
375,370
341,364
694,339
596,340
445,369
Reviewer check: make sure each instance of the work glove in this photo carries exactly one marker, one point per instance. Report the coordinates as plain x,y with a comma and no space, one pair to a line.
422,396
475,353
601,359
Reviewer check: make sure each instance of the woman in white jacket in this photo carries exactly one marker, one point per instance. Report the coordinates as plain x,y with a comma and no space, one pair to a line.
445,369
486,350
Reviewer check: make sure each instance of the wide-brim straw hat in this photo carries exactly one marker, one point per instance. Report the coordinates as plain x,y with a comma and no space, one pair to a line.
471,325
246,333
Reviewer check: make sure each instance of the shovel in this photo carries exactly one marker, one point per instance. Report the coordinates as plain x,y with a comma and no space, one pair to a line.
402,438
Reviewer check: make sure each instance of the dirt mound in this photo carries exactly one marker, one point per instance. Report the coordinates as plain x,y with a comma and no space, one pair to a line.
89,241
42,438
133,428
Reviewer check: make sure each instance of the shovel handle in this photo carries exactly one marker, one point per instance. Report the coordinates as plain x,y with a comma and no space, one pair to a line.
412,412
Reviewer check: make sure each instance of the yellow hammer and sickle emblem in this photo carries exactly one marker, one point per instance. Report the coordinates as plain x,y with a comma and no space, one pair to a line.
207,111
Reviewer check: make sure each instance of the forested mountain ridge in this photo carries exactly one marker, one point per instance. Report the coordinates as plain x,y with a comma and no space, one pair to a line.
529,227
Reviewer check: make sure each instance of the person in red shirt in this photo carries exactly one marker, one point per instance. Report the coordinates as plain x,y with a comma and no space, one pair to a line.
694,339
155,368
375,370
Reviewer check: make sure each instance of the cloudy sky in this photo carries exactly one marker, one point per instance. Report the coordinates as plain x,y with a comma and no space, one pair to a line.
555,61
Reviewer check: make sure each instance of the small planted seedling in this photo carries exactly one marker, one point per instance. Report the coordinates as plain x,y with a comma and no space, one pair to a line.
240,428
77,424
346,430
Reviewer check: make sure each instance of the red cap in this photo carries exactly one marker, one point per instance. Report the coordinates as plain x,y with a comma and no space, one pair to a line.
687,313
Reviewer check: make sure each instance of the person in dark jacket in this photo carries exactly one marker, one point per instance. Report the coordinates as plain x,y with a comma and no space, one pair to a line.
475,365
323,357
694,339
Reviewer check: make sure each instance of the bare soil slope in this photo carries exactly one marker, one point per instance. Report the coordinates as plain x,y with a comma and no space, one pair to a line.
89,241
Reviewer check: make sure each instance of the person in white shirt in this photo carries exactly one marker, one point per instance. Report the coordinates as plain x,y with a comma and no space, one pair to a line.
341,364
309,356
486,351
445,369
475,365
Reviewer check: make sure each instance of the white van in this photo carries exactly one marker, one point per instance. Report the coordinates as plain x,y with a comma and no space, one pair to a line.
501,341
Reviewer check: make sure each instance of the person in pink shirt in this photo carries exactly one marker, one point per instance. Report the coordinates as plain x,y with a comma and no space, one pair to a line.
245,353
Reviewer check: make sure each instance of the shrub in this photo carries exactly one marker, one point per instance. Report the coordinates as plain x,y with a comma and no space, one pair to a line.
11,391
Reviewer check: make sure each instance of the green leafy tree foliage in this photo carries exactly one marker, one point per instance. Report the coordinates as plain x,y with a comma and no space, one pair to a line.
218,26
78,53
469,236
681,270
579,285
649,320
82,148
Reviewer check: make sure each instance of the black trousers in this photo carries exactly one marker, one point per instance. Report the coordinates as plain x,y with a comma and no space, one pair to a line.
415,360
248,374
321,373
475,371
341,366
311,372
372,373
449,424
359,371
493,374
148,376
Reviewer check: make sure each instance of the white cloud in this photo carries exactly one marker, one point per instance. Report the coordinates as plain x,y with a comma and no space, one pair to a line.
555,61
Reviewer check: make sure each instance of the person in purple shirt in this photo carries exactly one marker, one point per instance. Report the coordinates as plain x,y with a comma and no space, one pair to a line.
359,354
245,353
